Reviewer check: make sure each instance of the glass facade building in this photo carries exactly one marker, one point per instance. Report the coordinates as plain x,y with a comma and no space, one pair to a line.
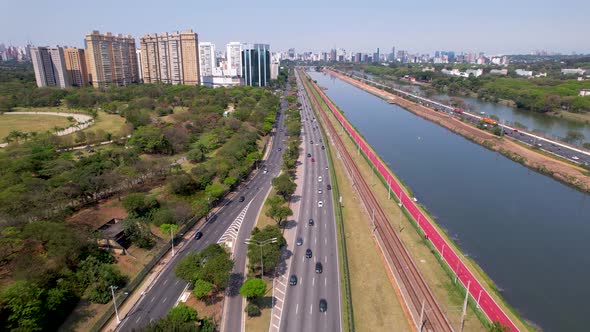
256,64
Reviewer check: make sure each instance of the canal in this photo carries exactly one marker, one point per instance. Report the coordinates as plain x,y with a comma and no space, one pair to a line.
527,231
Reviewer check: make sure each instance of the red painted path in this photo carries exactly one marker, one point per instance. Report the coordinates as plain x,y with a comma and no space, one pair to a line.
479,294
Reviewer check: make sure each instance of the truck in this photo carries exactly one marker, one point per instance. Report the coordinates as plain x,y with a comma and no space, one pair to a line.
488,121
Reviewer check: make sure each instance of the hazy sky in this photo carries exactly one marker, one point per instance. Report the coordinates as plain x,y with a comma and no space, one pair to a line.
494,27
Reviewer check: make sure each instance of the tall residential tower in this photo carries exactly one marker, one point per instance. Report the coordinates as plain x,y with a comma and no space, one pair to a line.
111,59
50,67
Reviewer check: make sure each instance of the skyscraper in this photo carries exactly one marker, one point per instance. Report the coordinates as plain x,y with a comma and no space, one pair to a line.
76,66
256,64
234,58
111,59
207,58
171,58
50,67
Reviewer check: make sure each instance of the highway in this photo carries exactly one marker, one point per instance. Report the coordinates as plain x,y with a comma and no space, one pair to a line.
301,310
480,295
571,153
233,219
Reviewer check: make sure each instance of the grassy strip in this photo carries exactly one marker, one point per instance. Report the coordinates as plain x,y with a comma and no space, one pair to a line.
472,266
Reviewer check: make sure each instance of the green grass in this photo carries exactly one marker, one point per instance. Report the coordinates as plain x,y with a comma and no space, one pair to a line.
109,123
30,123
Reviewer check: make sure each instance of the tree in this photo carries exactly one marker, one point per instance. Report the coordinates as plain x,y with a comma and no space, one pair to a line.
202,289
271,252
253,288
139,204
196,155
168,228
213,264
163,216
277,212
497,327
138,232
150,139
252,310
182,184
284,186
24,300
182,313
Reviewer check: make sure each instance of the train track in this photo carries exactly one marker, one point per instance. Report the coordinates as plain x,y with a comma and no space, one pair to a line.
425,311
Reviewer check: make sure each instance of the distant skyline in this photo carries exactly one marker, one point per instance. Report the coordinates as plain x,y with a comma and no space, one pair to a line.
498,27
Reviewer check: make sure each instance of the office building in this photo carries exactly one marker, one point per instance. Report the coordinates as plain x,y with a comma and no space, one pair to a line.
76,66
111,59
170,58
50,67
207,58
256,64
234,58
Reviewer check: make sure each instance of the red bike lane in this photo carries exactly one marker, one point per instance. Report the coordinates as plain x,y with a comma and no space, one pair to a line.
488,305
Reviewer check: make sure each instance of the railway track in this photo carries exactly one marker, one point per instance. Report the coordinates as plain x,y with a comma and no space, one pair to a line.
424,310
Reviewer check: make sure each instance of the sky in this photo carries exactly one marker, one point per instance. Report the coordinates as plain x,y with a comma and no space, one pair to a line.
493,27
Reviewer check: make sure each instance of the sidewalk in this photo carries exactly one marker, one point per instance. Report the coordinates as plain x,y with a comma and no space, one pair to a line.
281,279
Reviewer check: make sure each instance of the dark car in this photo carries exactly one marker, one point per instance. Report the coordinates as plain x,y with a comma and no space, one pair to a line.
300,241
323,305
198,235
242,198
329,187
322,147
308,253
310,222
309,155
318,267
293,280
280,149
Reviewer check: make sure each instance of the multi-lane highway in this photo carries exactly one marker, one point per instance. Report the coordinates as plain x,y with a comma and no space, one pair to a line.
318,277
167,288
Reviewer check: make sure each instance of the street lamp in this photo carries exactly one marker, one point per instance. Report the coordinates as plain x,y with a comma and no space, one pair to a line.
115,302
261,244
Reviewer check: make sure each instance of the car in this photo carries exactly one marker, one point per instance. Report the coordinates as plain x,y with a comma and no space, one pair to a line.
265,171
280,149
323,147
310,222
293,280
242,198
311,142
319,179
319,191
323,305
312,159
198,235
318,267
320,204
329,187
326,167
299,241
308,253
309,155
575,158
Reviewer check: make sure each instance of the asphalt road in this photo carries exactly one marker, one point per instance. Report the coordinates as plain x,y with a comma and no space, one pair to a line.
167,288
301,309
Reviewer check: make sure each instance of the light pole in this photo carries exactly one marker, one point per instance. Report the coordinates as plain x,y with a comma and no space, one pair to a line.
172,239
115,302
261,244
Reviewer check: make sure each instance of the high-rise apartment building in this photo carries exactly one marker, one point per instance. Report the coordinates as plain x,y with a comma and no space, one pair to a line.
50,67
256,64
76,66
171,58
111,59
234,58
207,58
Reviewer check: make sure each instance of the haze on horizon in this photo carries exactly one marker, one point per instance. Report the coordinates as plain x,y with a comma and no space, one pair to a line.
500,27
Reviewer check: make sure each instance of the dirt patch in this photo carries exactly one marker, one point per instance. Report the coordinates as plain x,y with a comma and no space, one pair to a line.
560,170
96,215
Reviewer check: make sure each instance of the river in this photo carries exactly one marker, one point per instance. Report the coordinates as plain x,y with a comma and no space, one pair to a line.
527,231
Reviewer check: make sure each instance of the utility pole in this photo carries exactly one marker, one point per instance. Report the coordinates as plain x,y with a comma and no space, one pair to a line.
261,244
115,303
172,238
464,307
478,297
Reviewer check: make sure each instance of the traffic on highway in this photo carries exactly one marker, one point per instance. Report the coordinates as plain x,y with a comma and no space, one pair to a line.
312,301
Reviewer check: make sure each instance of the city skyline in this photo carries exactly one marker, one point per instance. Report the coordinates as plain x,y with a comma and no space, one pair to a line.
423,28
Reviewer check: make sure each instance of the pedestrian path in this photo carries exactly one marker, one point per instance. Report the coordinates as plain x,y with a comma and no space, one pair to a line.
231,234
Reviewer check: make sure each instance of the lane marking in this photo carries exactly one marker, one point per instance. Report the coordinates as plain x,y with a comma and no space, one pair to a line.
138,318
297,309
164,300
310,308
313,281
165,281
152,300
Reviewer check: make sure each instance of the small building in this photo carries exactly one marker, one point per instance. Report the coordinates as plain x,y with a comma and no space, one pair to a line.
525,73
112,238
584,93
574,71
499,72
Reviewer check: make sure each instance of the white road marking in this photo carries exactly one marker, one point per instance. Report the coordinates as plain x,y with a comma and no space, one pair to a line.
138,318
164,300
176,283
326,259
313,281
165,281
152,300
316,240
296,308
310,308
325,241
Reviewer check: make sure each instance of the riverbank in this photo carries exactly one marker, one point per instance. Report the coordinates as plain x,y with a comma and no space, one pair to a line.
555,167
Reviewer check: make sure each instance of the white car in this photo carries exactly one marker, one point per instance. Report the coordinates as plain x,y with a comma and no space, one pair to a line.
319,191
320,204
319,179
574,158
